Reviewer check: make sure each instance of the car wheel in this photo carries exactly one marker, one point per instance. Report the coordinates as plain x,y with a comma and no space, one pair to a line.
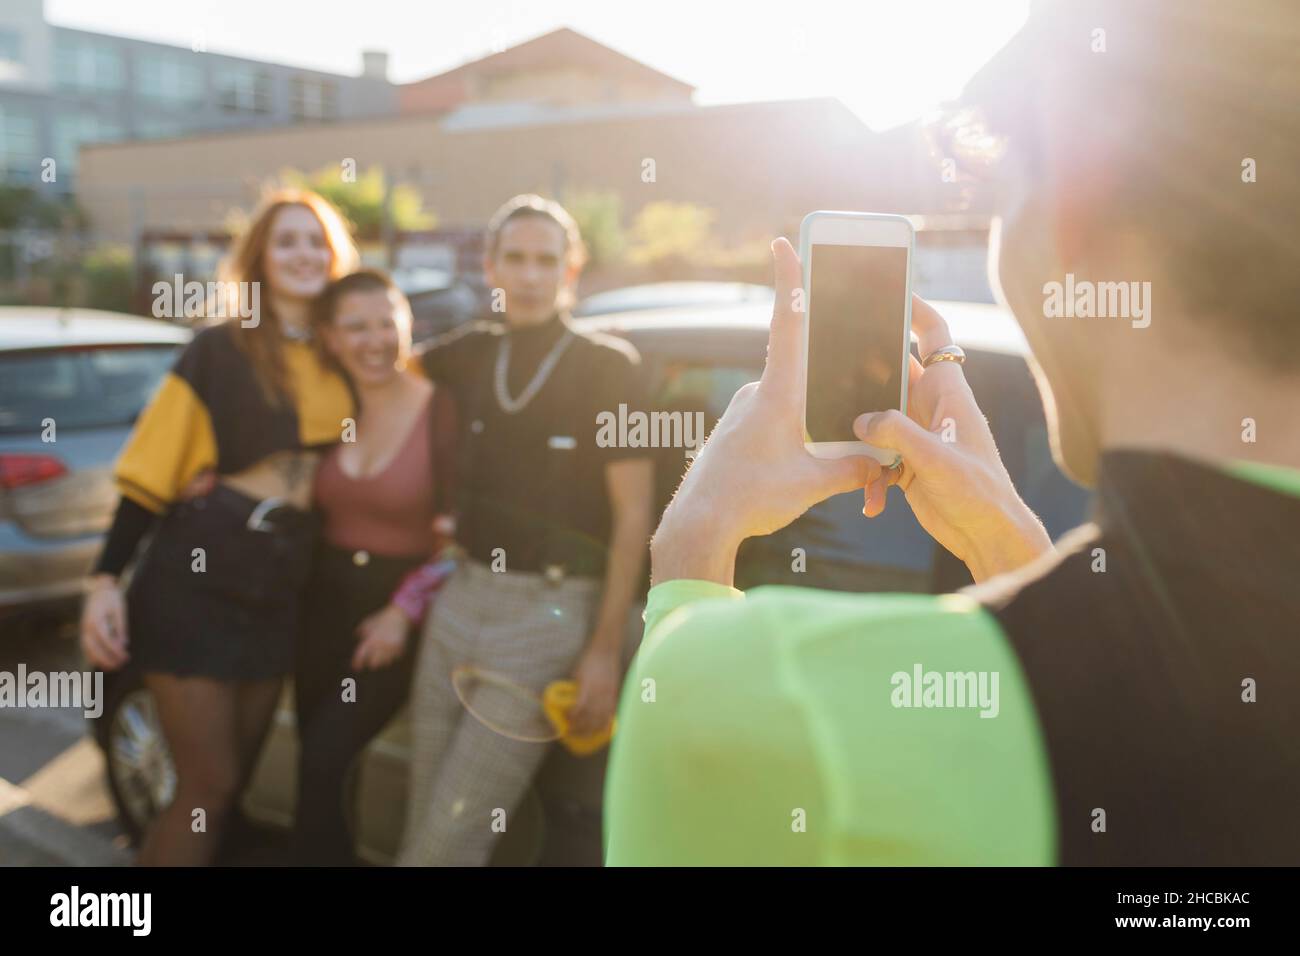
141,774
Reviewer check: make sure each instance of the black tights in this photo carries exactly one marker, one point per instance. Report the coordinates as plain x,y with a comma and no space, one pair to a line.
215,730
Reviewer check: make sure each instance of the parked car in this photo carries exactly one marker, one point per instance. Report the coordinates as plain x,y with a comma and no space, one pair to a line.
696,357
440,299
72,381
673,295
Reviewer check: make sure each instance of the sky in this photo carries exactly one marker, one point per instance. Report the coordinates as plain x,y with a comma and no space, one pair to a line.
887,61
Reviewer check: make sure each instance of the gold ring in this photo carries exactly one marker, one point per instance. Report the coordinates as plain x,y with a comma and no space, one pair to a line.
945,353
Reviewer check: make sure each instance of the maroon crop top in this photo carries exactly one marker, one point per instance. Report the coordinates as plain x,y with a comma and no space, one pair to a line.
390,513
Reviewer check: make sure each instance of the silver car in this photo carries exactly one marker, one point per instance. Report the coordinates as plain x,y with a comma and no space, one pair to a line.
72,381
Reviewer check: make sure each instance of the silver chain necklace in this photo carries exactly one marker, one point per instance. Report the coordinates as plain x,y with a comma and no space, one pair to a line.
512,405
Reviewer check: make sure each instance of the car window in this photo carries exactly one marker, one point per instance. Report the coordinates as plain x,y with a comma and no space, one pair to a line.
79,388
701,388
689,387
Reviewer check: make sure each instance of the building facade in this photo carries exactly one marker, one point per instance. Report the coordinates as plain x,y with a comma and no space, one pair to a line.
560,115
61,89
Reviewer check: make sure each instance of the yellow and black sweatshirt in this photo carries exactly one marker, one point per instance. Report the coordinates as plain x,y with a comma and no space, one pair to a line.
211,413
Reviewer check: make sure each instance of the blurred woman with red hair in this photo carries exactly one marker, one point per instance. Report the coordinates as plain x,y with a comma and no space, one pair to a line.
211,612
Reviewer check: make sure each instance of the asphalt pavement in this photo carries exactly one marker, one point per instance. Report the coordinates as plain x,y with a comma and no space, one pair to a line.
55,808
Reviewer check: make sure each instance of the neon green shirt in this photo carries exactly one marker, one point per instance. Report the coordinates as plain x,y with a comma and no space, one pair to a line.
770,729
812,763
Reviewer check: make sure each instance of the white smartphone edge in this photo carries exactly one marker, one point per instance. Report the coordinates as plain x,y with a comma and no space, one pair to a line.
851,221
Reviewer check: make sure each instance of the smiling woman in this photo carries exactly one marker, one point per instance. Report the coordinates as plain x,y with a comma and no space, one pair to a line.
380,493
213,602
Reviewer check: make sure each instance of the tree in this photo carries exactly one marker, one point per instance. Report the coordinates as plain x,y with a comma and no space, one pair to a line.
362,201
667,234
600,220
24,206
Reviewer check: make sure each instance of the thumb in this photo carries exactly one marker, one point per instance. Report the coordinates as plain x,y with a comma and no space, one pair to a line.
847,474
894,431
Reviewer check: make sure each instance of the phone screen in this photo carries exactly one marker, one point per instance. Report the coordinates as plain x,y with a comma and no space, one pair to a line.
856,309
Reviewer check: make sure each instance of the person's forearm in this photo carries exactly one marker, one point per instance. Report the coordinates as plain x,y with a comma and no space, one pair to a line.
693,542
131,522
415,591
623,570
1020,539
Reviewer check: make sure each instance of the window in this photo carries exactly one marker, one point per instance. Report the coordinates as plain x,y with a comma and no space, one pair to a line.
169,78
71,132
162,127
311,98
17,146
11,48
244,89
87,65
90,388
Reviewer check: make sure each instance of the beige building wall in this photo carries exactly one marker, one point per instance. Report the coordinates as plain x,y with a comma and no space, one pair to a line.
760,166
567,86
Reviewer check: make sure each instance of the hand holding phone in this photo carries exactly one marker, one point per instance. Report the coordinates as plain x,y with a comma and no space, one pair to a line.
753,474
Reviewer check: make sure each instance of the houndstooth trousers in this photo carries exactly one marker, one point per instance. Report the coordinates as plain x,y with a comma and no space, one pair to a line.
464,775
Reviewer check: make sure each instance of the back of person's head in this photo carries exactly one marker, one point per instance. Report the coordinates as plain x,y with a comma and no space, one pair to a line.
1134,142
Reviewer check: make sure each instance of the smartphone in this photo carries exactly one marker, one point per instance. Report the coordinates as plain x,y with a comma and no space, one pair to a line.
857,279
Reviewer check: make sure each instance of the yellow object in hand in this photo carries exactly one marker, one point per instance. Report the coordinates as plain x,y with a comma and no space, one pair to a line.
557,700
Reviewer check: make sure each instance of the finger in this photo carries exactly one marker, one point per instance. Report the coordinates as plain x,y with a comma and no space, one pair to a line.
105,631
579,715
117,629
577,723
873,502
914,372
90,648
359,656
929,326
839,475
101,650
894,431
100,659
784,367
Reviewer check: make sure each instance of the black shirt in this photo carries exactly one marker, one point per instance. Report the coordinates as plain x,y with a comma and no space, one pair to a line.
532,483
1137,642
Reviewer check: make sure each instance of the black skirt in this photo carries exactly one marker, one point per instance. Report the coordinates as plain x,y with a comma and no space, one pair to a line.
217,592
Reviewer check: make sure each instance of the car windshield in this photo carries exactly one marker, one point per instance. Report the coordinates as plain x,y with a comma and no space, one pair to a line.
78,388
